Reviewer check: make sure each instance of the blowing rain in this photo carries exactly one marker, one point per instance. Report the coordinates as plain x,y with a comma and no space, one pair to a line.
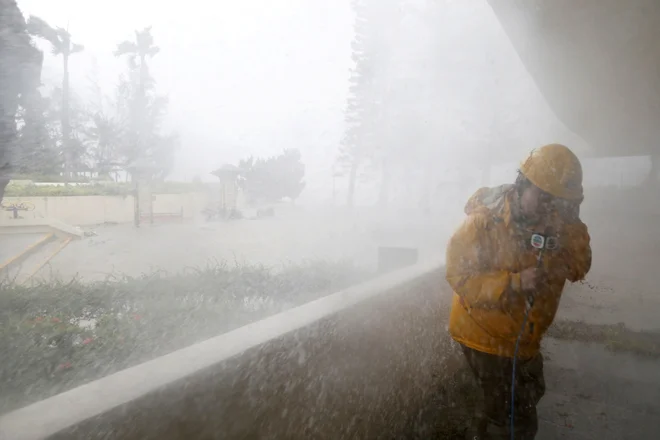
361,219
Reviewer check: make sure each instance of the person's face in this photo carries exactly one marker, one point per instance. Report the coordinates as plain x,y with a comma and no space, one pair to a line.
535,204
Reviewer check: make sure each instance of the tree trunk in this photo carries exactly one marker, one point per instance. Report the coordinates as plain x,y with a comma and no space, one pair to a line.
351,184
7,140
3,184
66,122
142,105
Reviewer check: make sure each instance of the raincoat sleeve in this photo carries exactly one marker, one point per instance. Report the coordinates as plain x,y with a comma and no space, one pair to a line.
576,253
469,255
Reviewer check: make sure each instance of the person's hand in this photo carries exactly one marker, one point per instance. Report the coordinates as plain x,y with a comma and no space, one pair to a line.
530,279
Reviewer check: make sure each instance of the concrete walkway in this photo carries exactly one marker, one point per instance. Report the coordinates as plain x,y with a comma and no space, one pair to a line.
591,394
595,394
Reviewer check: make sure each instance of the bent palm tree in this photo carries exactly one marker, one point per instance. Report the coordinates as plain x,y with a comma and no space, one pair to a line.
60,40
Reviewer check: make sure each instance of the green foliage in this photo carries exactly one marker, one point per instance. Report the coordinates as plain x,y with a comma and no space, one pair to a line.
47,348
118,189
105,133
71,146
37,150
114,189
143,46
59,38
39,176
274,178
20,72
59,135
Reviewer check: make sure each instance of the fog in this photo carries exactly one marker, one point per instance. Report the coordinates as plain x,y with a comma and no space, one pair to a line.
251,79
257,210
242,78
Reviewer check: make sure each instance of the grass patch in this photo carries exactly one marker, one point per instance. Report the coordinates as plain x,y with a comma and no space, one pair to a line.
615,337
58,335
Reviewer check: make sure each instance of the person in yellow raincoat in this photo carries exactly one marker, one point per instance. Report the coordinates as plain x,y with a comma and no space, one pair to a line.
494,270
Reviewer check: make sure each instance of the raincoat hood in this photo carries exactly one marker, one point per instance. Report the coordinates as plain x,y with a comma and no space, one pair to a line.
489,199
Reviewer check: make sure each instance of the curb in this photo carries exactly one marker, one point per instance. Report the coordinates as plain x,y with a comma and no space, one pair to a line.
62,245
27,251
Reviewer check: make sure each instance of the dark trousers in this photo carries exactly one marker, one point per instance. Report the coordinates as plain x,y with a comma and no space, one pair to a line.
492,416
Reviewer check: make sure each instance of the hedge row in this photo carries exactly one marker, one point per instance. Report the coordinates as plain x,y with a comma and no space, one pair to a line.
114,189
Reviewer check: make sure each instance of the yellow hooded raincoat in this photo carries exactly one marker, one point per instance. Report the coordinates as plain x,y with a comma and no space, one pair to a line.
484,259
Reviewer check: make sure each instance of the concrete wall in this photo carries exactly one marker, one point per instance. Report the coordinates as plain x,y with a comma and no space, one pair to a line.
94,210
361,363
597,62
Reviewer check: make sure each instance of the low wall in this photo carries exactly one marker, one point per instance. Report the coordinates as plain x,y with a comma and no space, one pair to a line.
95,210
361,363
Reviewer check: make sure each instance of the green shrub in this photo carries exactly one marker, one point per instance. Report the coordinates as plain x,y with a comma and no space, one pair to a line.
46,349
13,190
111,189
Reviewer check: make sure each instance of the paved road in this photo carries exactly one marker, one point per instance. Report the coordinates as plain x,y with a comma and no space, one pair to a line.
291,237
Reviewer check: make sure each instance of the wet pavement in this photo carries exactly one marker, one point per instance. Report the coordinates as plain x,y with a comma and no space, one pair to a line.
13,244
592,391
290,237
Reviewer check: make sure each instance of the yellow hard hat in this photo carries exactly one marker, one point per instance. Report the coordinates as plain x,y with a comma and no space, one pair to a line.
556,170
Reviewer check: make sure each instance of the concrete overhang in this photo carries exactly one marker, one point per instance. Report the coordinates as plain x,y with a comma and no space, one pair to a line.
597,63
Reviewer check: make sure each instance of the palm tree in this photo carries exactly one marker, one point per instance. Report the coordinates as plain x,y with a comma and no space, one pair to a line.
60,40
139,50
142,48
